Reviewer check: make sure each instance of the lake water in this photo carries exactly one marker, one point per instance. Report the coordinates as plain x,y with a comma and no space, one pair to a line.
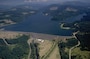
40,23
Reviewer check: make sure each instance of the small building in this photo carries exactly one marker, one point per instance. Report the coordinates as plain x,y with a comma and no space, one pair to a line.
40,40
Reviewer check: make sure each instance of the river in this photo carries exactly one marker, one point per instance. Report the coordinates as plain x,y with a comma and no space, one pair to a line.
40,23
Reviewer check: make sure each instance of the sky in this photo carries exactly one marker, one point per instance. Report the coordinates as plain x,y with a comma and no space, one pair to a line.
23,1
47,0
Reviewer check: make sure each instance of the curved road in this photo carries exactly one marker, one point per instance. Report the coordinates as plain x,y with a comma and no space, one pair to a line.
27,42
70,50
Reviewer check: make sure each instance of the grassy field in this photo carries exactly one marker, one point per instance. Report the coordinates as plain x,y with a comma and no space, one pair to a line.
9,35
55,54
44,47
78,54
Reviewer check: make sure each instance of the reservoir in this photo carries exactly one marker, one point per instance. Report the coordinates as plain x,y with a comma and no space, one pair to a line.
40,23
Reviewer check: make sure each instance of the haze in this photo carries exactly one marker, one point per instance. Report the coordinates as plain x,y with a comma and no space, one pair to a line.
14,2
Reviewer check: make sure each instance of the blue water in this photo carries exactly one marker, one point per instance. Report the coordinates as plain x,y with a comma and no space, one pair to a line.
40,23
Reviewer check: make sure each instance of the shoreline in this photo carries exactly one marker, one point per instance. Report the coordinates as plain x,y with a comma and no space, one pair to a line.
66,28
6,25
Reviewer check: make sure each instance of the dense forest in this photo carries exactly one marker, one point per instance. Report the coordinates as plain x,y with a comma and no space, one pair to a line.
83,27
18,48
65,46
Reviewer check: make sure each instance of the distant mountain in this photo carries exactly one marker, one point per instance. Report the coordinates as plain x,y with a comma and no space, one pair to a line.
77,3
34,6
64,2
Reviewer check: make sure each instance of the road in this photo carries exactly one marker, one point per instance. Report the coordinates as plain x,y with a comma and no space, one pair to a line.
30,41
27,42
70,50
29,49
39,36
5,42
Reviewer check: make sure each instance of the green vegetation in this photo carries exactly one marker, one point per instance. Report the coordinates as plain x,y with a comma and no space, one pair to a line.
34,51
84,39
64,15
1,42
83,27
17,50
77,53
65,46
